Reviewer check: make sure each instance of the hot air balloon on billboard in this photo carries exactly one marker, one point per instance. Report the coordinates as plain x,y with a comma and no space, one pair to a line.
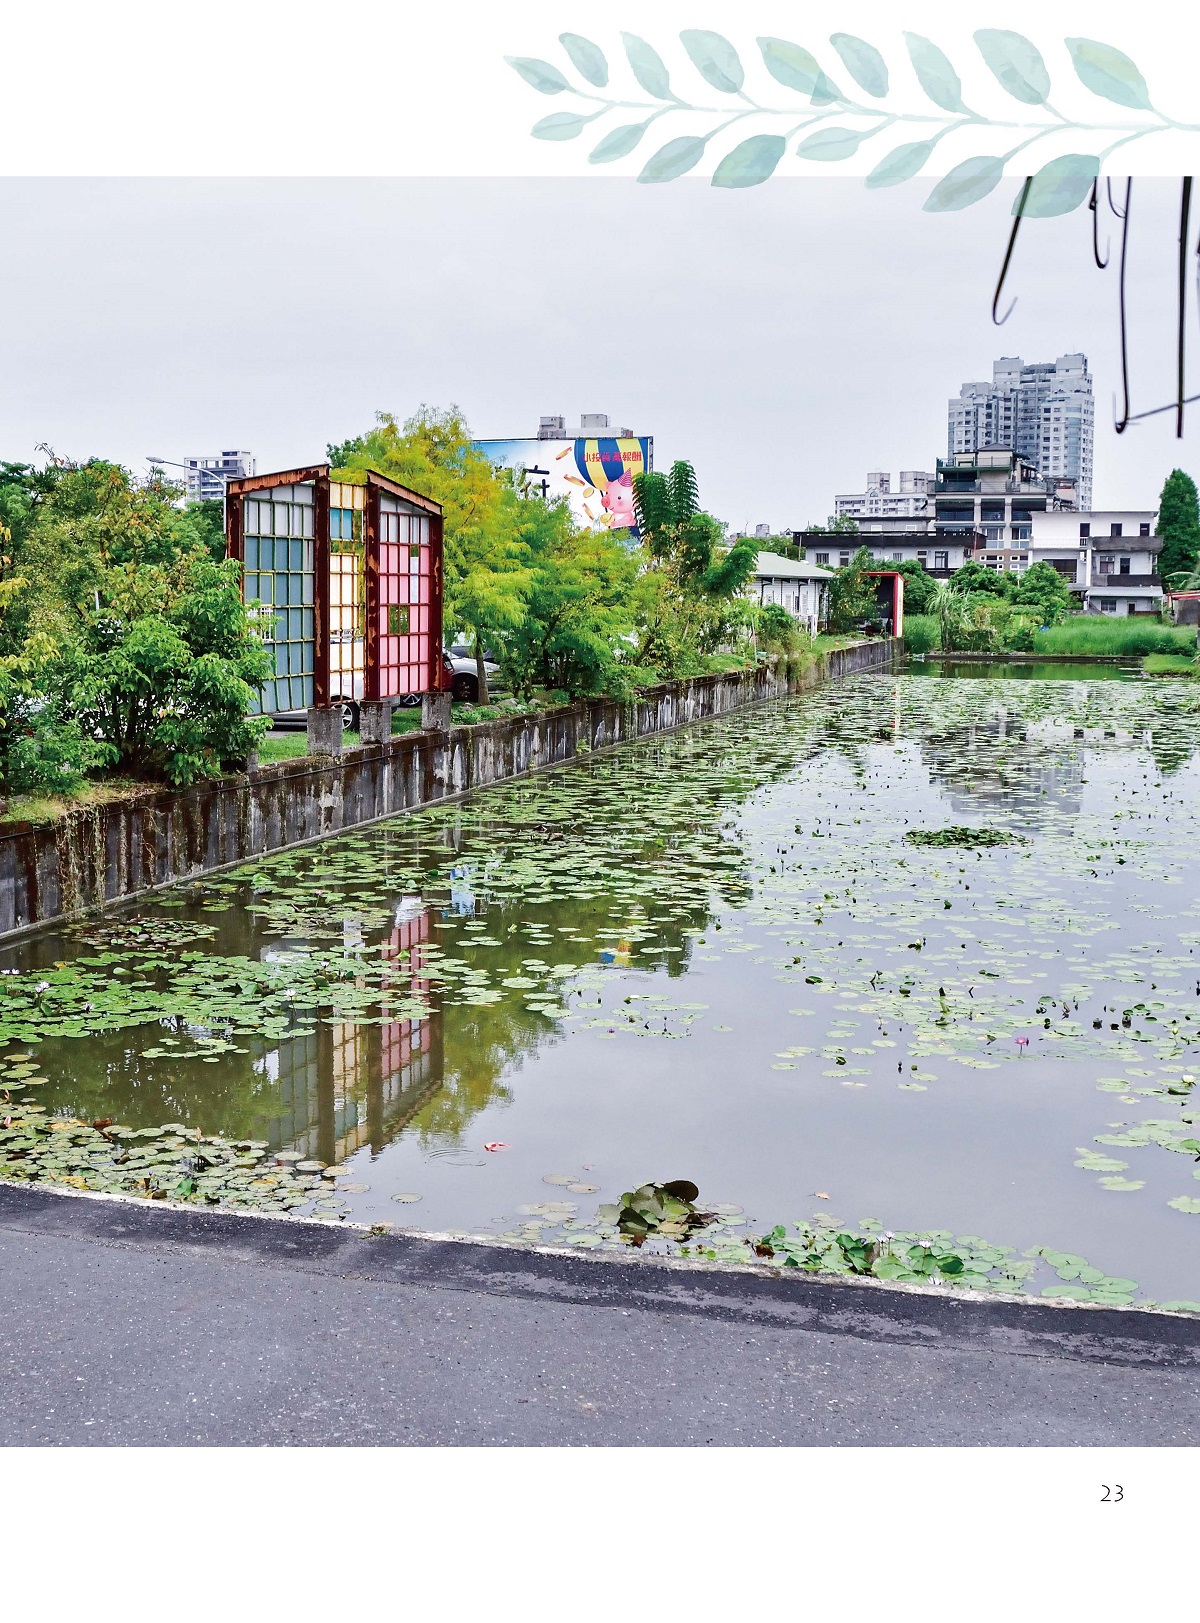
595,474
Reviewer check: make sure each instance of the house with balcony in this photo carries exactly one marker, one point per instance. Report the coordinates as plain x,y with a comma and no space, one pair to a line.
1110,557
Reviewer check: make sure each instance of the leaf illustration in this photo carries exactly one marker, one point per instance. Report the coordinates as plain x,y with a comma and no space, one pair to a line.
1059,186
589,59
900,165
1109,73
618,143
649,69
675,159
559,126
543,76
1016,63
715,59
750,163
825,91
791,64
827,146
966,183
863,63
937,78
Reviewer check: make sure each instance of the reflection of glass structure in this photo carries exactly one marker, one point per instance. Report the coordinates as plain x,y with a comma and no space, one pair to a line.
349,573
348,1085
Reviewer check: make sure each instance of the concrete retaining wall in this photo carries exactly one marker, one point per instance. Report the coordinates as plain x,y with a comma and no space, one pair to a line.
106,853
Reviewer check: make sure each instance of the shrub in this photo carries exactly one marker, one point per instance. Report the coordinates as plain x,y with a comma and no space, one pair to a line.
167,691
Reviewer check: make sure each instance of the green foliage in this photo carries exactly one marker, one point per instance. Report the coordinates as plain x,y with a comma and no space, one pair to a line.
1044,590
921,633
1099,634
1179,526
42,750
962,836
851,595
688,595
202,525
161,678
919,585
576,606
433,454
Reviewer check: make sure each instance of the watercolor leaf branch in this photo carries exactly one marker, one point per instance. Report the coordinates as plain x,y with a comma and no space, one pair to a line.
829,124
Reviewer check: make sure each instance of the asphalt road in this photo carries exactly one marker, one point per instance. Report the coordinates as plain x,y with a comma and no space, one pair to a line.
125,1325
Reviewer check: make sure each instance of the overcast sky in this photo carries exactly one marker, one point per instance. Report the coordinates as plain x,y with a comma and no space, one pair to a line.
785,338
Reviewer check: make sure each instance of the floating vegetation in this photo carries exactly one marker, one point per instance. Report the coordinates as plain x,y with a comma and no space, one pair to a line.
664,1209
160,1163
969,839
946,922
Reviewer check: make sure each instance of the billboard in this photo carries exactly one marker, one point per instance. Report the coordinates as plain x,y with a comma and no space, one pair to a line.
596,475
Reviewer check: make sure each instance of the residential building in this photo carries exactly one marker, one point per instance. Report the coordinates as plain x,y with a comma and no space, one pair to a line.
796,584
1043,411
1110,557
206,476
881,499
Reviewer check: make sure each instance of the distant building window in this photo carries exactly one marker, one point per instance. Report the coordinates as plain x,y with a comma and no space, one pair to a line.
843,559
1084,531
897,557
1108,605
1125,562
823,558
1143,529
1115,529
941,560
1105,565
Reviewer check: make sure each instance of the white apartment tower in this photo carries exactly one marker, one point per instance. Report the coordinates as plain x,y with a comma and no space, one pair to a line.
1043,411
206,475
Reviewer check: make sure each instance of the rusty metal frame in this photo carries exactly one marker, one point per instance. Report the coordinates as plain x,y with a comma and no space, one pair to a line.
371,528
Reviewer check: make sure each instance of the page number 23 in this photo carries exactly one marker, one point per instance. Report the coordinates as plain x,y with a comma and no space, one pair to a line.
1113,1493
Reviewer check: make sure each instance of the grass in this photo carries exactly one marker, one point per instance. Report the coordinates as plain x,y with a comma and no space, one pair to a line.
1169,665
1096,634
1086,634
43,808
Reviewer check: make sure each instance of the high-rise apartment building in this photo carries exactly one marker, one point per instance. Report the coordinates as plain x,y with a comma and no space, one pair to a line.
883,499
1043,411
206,475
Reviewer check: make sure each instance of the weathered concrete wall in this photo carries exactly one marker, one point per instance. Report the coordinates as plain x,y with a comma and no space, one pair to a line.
109,852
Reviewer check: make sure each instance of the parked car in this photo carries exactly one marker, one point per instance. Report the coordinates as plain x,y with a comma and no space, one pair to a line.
458,663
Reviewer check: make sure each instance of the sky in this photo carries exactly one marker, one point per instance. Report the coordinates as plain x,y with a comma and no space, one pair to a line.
785,338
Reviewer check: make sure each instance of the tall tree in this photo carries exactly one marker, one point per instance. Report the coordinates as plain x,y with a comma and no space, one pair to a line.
577,609
1179,526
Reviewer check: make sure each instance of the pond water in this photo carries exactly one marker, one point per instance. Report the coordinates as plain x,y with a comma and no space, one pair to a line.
715,956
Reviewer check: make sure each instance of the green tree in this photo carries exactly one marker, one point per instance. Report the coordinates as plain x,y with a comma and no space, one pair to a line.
576,608
974,579
918,584
691,578
1179,526
851,594
162,676
433,454
1043,592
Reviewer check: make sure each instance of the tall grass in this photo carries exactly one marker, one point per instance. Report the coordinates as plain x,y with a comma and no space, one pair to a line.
1094,634
921,633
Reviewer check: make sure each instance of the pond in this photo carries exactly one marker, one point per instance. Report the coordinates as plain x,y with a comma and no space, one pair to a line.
746,954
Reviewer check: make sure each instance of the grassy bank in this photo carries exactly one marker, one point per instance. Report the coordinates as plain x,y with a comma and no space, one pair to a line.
1082,634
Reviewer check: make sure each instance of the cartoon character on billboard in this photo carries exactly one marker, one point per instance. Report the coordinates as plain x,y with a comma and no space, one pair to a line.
609,467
